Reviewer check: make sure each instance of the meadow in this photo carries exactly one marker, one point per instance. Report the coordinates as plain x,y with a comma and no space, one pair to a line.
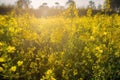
60,48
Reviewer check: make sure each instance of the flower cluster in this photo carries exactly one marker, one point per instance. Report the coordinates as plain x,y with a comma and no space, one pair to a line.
65,47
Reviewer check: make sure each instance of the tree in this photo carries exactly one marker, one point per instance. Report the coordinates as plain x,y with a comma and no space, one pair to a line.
5,9
22,6
99,7
115,5
44,4
92,5
57,4
23,3
70,2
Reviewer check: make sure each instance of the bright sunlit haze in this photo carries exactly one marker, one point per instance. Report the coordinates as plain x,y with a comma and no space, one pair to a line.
51,3
55,40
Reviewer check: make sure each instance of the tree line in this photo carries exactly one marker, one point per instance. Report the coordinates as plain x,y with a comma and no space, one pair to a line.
24,6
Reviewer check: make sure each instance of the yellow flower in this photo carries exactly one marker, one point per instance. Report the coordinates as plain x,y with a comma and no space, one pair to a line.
52,78
117,54
4,65
101,51
33,65
1,44
105,33
2,60
1,69
51,58
87,49
97,48
49,72
13,69
92,38
19,63
75,72
89,12
11,29
80,79
11,49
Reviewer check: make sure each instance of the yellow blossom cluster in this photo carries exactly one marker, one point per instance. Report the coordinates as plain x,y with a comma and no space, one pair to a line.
60,47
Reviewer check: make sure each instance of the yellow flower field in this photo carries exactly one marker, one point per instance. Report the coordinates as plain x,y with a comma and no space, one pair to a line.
60,48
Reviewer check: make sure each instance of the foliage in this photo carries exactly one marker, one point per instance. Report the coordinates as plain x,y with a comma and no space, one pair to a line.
6,9
92,5
53,49
72,11
115,4
23,4
107,6
112,5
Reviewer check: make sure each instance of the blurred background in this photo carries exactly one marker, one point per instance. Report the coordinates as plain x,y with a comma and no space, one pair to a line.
44,8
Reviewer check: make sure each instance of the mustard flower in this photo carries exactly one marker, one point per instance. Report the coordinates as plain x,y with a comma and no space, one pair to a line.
19,63
1,69
13,68
2,60
11,49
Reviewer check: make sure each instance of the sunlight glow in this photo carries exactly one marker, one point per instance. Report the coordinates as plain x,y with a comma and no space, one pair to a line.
51,3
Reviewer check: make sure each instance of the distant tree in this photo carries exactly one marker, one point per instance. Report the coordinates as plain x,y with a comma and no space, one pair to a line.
43,10
82,11
115,5
57,4
22,6
112,5
92,5
19,4
23,3
44,4
99,7
6,9
70,2
62,7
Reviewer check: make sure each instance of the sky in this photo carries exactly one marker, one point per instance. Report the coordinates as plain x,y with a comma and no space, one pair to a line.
37,3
